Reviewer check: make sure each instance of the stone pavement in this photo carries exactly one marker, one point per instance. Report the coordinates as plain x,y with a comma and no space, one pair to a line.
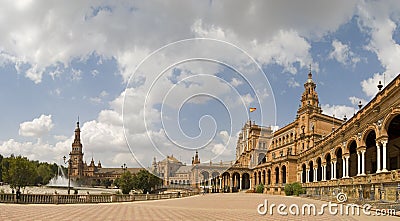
209,207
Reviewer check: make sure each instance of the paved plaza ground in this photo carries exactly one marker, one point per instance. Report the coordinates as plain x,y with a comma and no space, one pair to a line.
209,207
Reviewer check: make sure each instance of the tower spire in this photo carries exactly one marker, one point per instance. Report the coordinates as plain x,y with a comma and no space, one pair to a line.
309,99
76,168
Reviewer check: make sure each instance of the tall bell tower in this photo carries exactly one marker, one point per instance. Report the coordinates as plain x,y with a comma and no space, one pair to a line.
76,155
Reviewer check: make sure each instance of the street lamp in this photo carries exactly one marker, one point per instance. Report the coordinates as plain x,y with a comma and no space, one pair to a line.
69,172
124,167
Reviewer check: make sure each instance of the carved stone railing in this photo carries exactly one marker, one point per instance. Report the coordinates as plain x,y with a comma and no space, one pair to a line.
90,198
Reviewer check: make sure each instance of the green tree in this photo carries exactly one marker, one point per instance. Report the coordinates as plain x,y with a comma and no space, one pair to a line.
116,182
1,167
19,172
145,181
45,173
106,182
125,182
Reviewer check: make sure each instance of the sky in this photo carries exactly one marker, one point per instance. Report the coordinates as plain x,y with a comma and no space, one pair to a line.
155,78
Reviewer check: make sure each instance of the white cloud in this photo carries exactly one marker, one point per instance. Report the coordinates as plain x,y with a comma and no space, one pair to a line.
338,110
95,100
76,75
355,101
94,73
293,83
342,53
49,34
377,19
99,99
37,150
37,127
236,82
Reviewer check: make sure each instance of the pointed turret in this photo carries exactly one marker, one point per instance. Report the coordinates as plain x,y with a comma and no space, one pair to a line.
309,99
154,164
76,154
196,159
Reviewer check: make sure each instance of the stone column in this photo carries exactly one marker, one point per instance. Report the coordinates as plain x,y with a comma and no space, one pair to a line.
250,183
343,167
233,183
323,173
384,156
307,178
220,183
378,157
362,162
315,174
334,170
347,166
358,163
262,178
240,182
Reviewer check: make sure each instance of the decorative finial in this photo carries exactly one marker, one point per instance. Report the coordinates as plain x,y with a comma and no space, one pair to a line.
380,86
359,105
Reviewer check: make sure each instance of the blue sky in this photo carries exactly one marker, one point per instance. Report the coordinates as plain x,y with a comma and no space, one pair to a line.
62,60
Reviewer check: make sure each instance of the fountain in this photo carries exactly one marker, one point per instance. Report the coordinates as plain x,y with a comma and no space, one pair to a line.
60,180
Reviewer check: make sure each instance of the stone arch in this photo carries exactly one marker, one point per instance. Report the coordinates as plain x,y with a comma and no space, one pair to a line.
393,144
214,174
269,176
353,160
339,162
276,175
366,132
245,181
235,181
226,179
337,149
284,173
371,163
388,119
303,173
319,168
205,175
311,171
350,140
328,162
263,177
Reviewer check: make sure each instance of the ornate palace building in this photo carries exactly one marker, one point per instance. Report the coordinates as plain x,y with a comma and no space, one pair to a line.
359,156
81,171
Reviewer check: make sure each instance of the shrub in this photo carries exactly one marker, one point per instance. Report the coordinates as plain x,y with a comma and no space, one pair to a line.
297,189
293,189
260,188
288,189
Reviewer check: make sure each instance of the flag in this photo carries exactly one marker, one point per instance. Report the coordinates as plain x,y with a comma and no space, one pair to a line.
252,109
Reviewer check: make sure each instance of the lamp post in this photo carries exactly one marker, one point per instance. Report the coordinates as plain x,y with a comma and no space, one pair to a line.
69,172
124,167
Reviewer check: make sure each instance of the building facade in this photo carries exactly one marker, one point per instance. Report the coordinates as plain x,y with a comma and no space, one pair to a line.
81,172
359,156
